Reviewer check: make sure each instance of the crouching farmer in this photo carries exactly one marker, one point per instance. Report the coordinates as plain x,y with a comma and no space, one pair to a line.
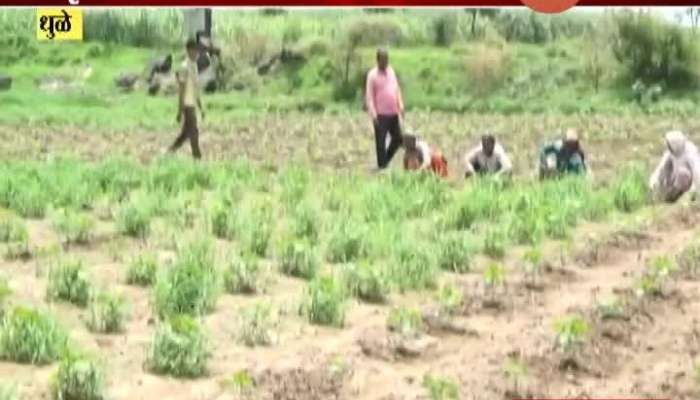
419,157
563,157
678,171
489,158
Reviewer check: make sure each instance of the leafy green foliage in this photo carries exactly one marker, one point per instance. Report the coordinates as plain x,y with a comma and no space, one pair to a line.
78,378
191,286
179,348
631,191
224,221
367,282
74,227
455,253
5,293
134,219
257,324
657,273
107,313
610,308
326,301
414,268
439,388
494,276
12,229
257,229
532,264
30,336
143,270
299,259
494,243
571,332
348,241
243,275
68,281
306,222
450,300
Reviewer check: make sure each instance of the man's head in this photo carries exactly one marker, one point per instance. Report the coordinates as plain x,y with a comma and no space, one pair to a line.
382,58
192,49
675,142
488,144
571,142
409,142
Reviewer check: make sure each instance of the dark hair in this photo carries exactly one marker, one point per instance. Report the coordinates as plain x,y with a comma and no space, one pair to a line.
191,44
488,138
409,142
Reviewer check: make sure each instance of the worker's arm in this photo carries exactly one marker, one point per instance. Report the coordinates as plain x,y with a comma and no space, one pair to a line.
425,153
695,171
656,175
180,96
399,96
369,96
504,160
469,161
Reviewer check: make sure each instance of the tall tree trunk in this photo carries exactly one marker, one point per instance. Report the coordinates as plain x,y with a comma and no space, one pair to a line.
475,12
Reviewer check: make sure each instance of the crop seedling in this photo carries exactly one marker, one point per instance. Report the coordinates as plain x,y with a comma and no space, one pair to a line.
134,219
306,222
610,308
494,277
74,227
258,324
68,281
299,259
689,260
516,372
455,253
326,301
224,223
532,265
31,201
495,243
525,228
631,192
258,228
191,285
243,275
78,378
29,336
348,241
367,282
439,388
652,282
18,250
13,229
5,293
571,332
107,313
241,382
142,270
414,268
450,300
179,348
405,322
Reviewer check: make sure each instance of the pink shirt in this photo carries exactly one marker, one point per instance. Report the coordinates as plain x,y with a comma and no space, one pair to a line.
383,93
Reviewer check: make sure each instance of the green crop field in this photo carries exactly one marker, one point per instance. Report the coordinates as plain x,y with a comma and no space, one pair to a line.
280,267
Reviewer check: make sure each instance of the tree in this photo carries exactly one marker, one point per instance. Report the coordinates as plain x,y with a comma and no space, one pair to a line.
693,14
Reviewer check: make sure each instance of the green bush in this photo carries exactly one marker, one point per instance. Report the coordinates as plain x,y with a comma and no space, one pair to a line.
326,301
179,348
78,378
143,270
445,29
299,259
191,285
68,281
367,282
29,336
107,313
243,275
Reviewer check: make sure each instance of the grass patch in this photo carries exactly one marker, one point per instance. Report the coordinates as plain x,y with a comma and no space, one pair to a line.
347,243
142,270
257,324
108,312
179,348
299,259
74,227
367,282
455,253
13,229
414,268
405,322
78,378
326,302
440,388
31,337
68,281
243,275
134,219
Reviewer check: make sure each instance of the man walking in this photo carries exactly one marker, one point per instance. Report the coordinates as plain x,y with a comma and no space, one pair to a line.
189,100
385,106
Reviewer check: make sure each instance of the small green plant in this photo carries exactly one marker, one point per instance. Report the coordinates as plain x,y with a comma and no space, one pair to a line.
134,219
29,336
414,268
31,201
494,277
652,282
367,282
5,293
495,243
439,388
243,275
143,270
532,264
191,286
74,227
241,382
224,223
258,231
13,229
348,241
631,192
455,253
516,372
689,260
571,332
257,324
610,308
78,378
299,259
179,348
405,322
326,301
451,300
306,222
68,281
18,250
107,313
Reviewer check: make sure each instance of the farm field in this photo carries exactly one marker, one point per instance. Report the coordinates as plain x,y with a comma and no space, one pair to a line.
313,278
283,267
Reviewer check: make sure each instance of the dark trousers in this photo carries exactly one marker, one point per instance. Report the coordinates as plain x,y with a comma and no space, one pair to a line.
387,124
189,131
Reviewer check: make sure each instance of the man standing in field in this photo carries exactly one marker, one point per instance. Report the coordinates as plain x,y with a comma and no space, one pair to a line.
385,108
678,171
189,100
489,158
